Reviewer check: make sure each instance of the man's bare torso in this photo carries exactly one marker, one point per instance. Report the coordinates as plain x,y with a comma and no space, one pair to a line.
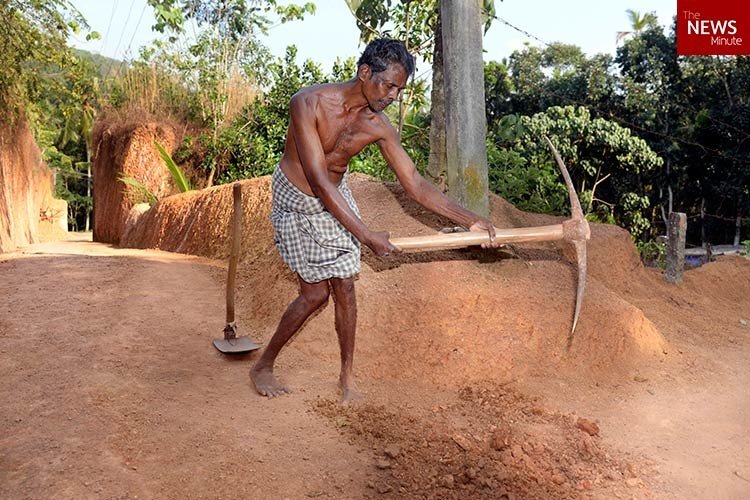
343,134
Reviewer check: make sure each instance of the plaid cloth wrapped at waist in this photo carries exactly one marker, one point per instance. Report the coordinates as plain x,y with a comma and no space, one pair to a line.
312,242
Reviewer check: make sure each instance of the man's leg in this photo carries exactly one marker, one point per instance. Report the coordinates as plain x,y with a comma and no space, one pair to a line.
346,325
312,296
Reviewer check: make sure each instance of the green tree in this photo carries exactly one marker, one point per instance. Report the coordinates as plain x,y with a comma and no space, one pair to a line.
651,82
33,37
534,79
638,22
604,159
716,147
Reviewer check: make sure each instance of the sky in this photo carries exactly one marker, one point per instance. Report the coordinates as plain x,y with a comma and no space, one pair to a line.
125,26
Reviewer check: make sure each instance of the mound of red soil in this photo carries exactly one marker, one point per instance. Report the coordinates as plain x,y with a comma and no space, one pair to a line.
506,445
28,211
448,317
125,147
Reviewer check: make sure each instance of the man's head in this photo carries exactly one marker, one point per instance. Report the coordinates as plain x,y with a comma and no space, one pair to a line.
384,69
380,53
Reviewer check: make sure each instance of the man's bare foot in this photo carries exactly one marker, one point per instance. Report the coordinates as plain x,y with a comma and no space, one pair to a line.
266,384
348,389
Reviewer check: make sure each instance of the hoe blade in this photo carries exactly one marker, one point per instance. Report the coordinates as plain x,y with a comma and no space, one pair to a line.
236,345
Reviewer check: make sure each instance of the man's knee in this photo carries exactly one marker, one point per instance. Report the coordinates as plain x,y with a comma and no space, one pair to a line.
316,296
343,287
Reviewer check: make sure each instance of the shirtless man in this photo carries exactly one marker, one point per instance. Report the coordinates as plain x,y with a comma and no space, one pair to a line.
316,221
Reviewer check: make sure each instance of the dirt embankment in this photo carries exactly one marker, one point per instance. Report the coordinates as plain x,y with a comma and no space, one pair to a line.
450,317
124,146
28,211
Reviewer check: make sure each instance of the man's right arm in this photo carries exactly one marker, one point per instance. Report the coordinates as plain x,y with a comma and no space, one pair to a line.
424,193
303,124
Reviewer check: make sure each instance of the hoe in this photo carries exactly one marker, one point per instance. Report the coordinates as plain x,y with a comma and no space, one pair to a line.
231,343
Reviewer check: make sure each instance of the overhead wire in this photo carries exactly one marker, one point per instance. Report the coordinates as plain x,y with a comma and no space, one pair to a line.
119,42
109,25
520,30
124,25
135,31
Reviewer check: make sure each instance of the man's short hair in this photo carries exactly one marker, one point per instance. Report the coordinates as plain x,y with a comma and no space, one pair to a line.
383,51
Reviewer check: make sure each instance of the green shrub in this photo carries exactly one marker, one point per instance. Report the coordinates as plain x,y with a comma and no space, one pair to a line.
652,254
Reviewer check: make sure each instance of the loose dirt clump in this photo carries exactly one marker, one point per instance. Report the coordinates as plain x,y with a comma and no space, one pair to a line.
490,442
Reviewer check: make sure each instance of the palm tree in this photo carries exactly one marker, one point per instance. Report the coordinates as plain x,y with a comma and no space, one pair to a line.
638,23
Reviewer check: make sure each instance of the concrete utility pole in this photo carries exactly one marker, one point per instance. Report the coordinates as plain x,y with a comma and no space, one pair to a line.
676,231
466,124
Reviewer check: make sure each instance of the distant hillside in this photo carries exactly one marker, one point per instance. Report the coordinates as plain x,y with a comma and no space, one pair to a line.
105,65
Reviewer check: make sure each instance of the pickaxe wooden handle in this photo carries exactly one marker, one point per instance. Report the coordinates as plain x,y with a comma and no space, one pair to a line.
576,230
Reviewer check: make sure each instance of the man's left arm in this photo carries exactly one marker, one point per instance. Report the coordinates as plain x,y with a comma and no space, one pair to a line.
424,193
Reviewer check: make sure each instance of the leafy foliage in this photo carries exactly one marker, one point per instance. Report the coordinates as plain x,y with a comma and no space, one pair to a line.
138,192
652,253
693,112
179,178
745,248
33,37
523,171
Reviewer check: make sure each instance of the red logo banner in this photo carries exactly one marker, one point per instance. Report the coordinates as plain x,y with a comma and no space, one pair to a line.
713,27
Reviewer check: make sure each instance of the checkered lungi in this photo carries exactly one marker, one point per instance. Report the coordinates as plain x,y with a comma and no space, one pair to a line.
312,242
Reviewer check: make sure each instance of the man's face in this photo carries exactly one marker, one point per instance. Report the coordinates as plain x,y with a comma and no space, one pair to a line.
382,88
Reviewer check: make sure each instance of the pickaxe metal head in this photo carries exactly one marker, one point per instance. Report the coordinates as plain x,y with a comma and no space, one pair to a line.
576,230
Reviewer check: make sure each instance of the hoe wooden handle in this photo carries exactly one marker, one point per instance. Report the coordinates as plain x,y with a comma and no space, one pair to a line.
234,254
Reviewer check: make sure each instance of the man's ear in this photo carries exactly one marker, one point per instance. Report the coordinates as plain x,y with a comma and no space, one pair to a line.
364,72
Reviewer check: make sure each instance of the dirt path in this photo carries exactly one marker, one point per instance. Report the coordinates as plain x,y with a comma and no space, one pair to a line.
688,418
111,389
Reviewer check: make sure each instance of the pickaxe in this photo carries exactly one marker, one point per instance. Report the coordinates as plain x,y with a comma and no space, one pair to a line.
576,230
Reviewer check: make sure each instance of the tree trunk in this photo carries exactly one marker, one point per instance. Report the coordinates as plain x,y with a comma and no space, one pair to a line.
669,183
465,120
703,222
436,164
401,116
88,188
401,102
738,222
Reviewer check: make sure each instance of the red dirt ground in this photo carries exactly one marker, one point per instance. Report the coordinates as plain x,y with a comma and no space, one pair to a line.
113,390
